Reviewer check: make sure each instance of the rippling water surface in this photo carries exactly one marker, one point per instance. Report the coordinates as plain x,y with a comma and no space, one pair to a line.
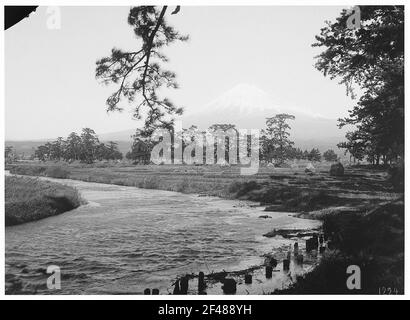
127,239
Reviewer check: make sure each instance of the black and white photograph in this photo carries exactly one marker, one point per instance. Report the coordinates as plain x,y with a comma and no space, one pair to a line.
204,150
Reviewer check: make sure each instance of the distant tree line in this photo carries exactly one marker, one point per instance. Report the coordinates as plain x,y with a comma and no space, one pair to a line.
274,143
85,147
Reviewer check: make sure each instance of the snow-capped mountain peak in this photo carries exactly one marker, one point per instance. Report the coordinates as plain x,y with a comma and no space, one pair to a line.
243,100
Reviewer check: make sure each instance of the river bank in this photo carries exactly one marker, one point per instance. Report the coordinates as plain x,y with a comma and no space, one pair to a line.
30,199
342,203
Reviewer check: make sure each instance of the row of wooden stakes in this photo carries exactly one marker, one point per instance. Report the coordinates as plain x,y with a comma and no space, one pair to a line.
181,285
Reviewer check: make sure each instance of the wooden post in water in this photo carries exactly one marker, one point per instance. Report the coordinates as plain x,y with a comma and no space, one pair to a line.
273,262
268,272
299,259
315,241
308,245
229,286
201,282
311,244
184,285
286,264
176,288
295,249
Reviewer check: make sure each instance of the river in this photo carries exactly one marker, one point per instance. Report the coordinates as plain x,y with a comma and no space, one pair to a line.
127,239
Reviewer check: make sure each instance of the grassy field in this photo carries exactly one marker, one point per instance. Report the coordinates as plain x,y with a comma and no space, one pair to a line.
29,199
288,189
363,216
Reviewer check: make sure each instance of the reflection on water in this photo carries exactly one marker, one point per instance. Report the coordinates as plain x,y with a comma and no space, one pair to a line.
127,239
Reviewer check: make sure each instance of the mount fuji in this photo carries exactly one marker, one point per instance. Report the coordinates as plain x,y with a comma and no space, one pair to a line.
248,106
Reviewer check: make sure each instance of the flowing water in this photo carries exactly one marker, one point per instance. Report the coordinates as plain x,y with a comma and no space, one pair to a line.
127,239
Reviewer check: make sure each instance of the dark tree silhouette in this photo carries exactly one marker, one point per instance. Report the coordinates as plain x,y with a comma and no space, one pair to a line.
330,155
314,155
140,151
140,71
223,128
73,147
89,145
275,139
373,58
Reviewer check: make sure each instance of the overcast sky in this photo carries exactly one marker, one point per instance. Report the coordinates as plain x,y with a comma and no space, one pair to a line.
51,89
